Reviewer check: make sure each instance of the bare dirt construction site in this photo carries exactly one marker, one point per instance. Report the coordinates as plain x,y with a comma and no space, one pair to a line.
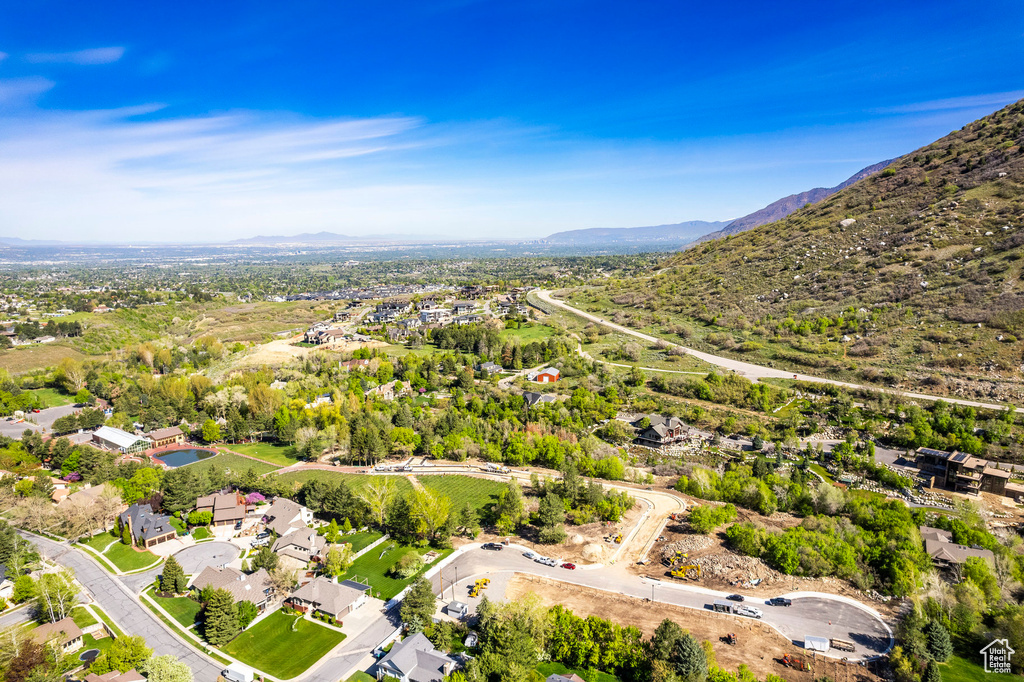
759,646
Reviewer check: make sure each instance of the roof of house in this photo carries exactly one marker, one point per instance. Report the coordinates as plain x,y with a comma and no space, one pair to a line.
284,516
66,629
929,533
417,659
532,398
86,495
300,545
169,432
955,554
115,676
328,596
225,507
242,587
121,439
145,524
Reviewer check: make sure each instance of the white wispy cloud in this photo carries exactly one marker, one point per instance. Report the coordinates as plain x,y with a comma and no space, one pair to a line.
3,56
992,99
20,90
91,56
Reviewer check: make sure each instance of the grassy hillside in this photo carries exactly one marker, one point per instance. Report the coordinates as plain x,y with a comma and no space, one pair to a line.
909,276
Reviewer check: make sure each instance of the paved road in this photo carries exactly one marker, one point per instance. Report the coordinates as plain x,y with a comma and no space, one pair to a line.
810,615
41,422
746,369
22,615
122,606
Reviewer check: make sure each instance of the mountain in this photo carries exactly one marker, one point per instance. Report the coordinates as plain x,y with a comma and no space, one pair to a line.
304,238
17,241
676,233
777,210
911,276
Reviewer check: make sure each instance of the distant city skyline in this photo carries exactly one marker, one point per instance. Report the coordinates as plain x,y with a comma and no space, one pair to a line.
481,120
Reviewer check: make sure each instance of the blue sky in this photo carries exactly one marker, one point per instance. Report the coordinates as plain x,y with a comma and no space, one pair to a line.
210,121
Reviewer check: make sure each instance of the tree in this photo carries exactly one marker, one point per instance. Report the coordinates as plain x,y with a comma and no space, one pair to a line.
56,595
126,535
124,654
83,396
432,510
220,622
378,494
338,559
689,659
265,558
931,673
509,511
172,578
211,431
939,645
166,669
24,589
247,613
333,533
283,581
663,642
419,605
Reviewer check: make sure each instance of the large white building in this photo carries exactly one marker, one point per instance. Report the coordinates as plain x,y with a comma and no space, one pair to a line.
109,438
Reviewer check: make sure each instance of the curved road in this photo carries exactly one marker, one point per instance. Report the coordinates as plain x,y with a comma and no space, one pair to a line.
746,369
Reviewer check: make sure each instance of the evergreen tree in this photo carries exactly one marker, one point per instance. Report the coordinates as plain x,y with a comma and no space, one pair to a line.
932,673
126,535
220,622
172,578
265,558
247,613
690,660
939,645
419,605
664,640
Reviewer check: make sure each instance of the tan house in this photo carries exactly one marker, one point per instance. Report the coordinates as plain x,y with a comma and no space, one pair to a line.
332,598
64,633
255,587
169,436
227,509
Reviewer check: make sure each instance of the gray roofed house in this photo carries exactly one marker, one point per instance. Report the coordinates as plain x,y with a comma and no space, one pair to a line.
255,587
284,516
147,528
301,545
532,398
940,547
662,431
325,595
490,368
415,659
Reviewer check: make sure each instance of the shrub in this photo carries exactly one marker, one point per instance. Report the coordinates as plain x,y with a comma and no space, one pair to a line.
407,566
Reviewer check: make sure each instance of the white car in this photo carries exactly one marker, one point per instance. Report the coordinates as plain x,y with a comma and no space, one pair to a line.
529,555
749,611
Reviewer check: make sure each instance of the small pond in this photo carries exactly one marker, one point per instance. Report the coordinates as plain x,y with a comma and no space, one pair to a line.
179,458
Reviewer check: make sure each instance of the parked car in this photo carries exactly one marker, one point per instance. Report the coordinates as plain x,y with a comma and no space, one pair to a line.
735,597
529,555
780,601
260,543
748,611
496,546
571,567
541,560
263,534
551,562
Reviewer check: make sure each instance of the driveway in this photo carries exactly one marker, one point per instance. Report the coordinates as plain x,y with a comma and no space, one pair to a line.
192,559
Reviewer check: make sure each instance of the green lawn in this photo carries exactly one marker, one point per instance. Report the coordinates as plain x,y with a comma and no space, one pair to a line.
82,618
354,481
962,670
124,557
480,493
236,464
547,669
51,397
360,676
182,609
275,453
373,568
361,540
272,647
201,533
91,642
106,619
528,334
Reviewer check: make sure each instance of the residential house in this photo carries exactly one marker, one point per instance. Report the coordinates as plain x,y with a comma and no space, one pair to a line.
322,399
336,599
415,659
6,584
429,304
109,438
463,307
410,323
116,676
101,309
228,509
960,472
146,528
354,364
301,545
284,516
548,375
662,431
399,307
325,336
342,316
435,316
490,367
940,547
170,435
255,587
64,633
533,398
89,495
463,320
387,391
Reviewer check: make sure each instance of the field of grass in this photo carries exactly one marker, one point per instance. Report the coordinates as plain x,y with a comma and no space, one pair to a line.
962,670
27,358
275,453
360,676
272,647
82,618
354,481
201,533
124,557
51,397
374,568
361,540
528,333
480,493
182,609
547,669
229,462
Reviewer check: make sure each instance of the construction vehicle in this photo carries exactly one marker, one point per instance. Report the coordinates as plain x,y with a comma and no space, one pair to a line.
796,663
841,644
683,572
618,538
730,639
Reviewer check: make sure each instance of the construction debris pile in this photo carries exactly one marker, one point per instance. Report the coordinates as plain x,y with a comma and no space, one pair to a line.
737,570
686,544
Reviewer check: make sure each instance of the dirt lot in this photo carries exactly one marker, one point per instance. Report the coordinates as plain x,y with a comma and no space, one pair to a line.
760,647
